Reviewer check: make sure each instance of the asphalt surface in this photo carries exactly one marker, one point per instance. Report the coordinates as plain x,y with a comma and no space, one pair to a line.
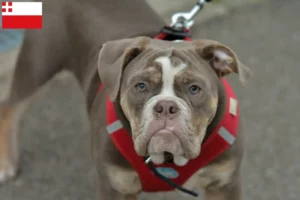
54,143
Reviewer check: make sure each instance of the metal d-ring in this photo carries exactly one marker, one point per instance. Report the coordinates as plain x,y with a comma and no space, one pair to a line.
183,20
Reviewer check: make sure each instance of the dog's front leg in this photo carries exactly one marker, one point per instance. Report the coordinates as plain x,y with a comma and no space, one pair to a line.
107,192
117,183
229,192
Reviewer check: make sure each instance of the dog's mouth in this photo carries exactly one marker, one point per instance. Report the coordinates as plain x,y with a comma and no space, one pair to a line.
165,147
169,157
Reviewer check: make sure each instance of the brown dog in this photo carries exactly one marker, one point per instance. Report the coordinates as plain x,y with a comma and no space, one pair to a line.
168,96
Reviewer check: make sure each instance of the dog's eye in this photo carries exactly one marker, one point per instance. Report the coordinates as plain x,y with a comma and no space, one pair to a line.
141,86
194,89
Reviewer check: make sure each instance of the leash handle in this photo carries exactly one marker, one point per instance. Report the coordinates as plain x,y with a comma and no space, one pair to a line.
184,20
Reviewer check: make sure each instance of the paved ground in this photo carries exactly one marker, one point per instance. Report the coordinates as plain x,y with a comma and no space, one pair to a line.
55,162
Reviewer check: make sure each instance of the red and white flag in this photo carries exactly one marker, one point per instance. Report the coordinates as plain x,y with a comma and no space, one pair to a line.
22,15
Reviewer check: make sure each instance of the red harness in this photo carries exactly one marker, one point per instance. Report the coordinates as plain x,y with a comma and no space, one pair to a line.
219,141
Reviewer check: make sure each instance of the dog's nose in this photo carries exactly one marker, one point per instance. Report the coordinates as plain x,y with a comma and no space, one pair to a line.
165,109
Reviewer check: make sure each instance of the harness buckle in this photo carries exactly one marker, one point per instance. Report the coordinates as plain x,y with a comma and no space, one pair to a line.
184,20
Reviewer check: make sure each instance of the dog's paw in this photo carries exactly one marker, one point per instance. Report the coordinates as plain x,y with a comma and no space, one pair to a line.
7,173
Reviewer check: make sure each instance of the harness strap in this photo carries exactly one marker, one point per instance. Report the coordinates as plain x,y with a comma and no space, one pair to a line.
168,33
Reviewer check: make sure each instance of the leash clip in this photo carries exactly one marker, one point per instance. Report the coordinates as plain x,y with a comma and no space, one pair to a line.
184,20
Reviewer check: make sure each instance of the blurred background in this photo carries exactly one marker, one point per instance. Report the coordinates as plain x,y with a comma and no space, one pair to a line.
265,34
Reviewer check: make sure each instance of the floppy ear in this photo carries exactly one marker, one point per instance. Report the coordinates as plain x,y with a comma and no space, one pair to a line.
113,58
222,59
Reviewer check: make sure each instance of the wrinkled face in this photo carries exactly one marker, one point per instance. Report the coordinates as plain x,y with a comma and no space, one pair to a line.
169,101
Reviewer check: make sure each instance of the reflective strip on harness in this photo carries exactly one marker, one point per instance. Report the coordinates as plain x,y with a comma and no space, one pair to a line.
115,126
226,135
233,106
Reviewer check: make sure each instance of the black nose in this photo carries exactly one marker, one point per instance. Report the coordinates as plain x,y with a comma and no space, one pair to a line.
166,109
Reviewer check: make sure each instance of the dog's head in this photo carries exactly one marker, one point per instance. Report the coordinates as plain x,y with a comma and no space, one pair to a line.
168,91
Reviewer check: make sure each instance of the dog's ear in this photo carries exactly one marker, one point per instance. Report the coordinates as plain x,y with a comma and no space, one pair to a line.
222,59
113,58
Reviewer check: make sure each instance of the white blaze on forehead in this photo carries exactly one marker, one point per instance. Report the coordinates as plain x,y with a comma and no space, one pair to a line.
168,74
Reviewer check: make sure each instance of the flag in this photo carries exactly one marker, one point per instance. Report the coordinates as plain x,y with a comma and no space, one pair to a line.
22,15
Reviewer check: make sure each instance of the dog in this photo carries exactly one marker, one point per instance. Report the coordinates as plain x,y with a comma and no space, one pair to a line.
167,97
